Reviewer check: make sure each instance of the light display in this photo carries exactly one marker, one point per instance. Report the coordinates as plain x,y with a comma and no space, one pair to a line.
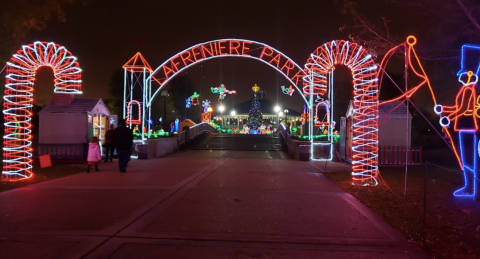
18,100
222,91
174,126
207,111
464,113
319,68
205,105
206,116
136,71
326,120
130,120
288,90
306,114
464,116
314,78
255,118
227,48
194,98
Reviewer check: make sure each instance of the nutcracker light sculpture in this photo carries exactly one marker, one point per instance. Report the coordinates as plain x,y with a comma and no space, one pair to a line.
464,116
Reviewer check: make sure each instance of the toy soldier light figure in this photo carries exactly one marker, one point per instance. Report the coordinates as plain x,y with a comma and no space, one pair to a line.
463,114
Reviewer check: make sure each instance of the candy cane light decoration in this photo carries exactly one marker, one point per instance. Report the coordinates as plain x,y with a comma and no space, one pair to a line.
18,100
130,119
319,68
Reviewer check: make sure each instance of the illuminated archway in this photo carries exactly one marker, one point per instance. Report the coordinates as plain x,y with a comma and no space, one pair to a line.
227,48
18,100
319,80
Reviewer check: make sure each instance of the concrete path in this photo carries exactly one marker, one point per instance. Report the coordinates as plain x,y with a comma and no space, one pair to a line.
196,204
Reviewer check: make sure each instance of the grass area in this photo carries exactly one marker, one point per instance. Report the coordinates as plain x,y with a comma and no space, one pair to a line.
452,224
44,174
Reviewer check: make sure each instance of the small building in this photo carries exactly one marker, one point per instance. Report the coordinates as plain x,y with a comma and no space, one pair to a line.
67,124
393,123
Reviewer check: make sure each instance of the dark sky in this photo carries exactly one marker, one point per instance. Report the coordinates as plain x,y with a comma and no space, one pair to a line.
105,33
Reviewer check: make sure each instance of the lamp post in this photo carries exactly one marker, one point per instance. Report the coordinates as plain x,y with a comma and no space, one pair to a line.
286,113
277,109
233,113
165,95
221,108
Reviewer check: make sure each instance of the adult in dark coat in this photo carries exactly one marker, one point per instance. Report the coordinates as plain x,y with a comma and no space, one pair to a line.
109,144
123,140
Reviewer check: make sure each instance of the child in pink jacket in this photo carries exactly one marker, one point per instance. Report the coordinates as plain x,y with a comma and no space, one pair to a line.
93,154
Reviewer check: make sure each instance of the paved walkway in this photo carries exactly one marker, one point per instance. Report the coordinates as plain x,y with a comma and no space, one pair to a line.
196,204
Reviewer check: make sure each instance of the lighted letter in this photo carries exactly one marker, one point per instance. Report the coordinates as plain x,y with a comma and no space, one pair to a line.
245,48
220,47
185,56
234,45
195,53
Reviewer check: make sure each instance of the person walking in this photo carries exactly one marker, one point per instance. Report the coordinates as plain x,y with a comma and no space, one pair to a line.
109,147
122,140
93,154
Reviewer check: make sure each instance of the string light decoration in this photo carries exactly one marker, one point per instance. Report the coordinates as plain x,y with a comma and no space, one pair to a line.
413,61
464,113
314,78
255,118
205,105
319,67
18,100
464,116
288,90
129,119
194,98
306,114
227,48
207,111
222,92
325,121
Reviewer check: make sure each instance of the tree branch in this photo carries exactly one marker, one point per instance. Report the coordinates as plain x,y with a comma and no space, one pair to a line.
469,15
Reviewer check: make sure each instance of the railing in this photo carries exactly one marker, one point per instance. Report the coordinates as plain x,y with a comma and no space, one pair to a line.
283,133
63,150
395,155
193,131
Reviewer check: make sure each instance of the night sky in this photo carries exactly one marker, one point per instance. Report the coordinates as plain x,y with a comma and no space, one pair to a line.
104,34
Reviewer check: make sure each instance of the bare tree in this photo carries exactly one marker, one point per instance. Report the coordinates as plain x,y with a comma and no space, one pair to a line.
19,17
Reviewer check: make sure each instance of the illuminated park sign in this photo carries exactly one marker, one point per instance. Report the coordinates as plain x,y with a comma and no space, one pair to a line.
228,48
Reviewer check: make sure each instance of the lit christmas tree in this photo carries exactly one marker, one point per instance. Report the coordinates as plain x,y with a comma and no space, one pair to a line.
255,118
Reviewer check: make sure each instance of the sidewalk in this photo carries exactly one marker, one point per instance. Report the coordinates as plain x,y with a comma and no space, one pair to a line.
196,204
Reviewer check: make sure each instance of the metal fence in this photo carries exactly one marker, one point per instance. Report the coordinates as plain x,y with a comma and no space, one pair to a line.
63,150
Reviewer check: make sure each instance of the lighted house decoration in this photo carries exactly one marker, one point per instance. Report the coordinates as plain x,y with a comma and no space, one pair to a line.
67,124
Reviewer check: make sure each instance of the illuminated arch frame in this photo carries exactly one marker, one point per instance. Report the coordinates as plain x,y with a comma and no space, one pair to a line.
18,100
319,78
233,48
316,76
